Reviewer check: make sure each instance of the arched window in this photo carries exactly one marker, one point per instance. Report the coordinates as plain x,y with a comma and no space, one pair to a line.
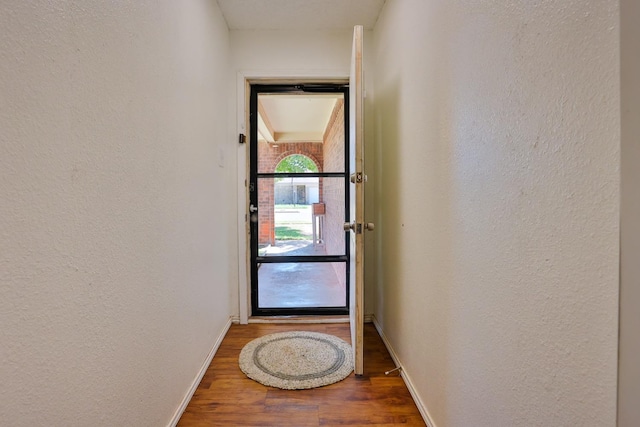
296,191
296,163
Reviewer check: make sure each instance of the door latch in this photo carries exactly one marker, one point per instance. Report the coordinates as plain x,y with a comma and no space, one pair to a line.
358,228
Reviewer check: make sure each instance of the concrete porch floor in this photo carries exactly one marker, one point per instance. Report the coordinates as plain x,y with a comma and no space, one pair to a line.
301,284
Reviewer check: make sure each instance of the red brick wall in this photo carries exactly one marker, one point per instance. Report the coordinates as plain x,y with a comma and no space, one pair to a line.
268,158
334,187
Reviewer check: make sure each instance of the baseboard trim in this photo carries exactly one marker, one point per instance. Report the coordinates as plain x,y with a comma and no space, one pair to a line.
405,376
201,372
302,319
299,319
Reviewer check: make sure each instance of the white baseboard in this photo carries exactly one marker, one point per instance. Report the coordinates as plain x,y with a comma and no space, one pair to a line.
299,320
201,372
368,318
405,376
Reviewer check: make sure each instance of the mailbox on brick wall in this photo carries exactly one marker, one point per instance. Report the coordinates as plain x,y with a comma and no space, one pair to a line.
318,209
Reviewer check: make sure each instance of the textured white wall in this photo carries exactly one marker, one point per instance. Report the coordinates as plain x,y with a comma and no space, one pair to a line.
629,369
114,261
294,54
291,52
497,129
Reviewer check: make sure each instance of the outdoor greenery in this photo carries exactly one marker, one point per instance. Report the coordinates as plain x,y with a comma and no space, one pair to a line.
288,233
296,163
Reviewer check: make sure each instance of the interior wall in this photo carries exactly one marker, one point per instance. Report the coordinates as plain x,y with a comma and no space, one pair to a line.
114,260
497,131
629,371
289,54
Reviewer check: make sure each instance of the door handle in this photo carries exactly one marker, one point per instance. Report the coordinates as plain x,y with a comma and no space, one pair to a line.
348,226
252,208
369,226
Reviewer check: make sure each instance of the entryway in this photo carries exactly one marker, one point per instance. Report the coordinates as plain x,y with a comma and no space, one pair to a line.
299,199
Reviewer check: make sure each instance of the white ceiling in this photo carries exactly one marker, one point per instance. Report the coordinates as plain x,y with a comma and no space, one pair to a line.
300,14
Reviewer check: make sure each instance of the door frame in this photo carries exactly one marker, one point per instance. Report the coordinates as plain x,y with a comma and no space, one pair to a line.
311,88
244,80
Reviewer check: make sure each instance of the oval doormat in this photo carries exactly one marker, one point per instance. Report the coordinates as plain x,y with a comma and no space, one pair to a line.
297,360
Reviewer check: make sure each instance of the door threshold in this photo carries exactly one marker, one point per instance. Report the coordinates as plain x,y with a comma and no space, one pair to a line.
299,319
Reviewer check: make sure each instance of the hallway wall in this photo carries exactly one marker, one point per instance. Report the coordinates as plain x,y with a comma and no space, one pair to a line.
114,260
629,370
497,138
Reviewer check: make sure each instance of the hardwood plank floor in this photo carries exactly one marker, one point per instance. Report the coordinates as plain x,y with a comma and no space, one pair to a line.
226,397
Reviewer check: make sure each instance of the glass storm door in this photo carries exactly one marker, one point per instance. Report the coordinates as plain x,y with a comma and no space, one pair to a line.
298,192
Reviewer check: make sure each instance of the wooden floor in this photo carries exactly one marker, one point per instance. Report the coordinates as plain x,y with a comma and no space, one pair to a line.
226,397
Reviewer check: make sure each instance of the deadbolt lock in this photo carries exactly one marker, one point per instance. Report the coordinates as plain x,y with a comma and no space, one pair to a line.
356,177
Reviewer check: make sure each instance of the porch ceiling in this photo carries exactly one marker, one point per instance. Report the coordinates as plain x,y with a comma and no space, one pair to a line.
294,118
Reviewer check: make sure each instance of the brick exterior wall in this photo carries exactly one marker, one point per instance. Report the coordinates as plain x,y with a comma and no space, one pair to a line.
334,188
268,158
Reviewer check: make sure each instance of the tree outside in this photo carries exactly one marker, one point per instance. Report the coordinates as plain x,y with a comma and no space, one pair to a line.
296,163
